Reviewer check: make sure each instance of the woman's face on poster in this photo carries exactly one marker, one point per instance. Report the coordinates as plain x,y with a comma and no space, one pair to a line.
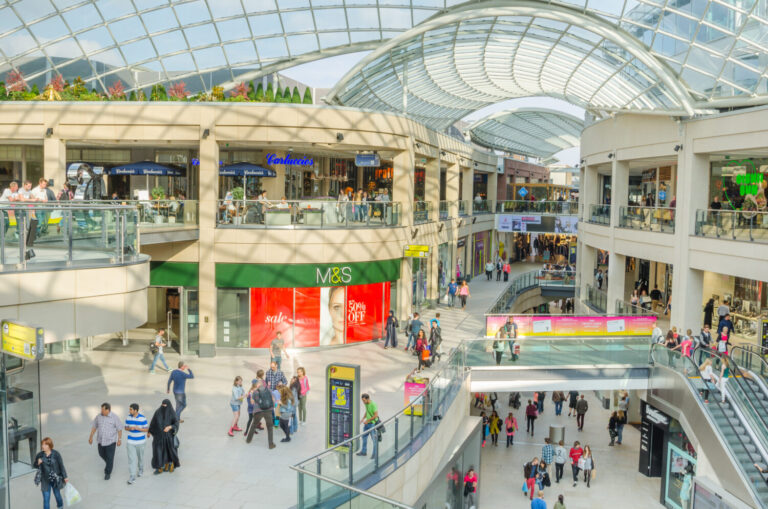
336,307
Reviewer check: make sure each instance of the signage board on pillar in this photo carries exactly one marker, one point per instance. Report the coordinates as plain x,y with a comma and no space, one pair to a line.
22,341
416,251
342,403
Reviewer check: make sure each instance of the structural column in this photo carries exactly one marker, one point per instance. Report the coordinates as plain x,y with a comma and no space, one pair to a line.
402,194
687,283
588,189
452,188
432,196
616,277
619,189
209,191
467,185
493,189
54,160
587,260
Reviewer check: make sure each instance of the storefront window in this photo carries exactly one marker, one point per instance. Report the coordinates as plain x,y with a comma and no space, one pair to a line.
419,284
739,183
480,186
481,255
681,467
444,267
419,184
232,318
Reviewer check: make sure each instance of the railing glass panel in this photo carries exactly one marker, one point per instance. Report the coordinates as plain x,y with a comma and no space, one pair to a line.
652,219
599,214
306,214
744,225
538,207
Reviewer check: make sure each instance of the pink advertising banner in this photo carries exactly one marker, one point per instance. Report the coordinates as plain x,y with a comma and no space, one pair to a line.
533,326
413,390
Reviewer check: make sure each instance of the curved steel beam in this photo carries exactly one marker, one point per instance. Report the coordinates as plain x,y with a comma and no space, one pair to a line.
496,8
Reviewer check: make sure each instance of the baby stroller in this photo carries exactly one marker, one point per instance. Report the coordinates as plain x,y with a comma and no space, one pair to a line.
514,400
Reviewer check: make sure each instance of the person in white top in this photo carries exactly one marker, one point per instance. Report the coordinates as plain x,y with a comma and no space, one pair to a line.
10,194
40,194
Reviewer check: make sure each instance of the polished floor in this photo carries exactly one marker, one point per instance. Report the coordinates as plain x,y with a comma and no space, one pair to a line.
617,482
217,471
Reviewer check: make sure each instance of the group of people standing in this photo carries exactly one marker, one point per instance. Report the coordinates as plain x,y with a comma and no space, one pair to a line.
501,266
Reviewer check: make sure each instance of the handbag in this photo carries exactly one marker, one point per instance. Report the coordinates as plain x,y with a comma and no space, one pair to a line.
466,489
594,474
581,463
38,477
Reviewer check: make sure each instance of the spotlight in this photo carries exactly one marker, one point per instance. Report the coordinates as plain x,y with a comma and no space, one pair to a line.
678,148
440,228
339,137
414,232
474,220
611,155
49,132
206,133
442,153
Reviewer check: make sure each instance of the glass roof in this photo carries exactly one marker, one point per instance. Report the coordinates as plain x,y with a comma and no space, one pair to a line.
532,132
449,57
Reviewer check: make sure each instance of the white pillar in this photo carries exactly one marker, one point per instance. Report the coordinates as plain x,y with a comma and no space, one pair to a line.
402,184
54,160
209,193
619,190
616,277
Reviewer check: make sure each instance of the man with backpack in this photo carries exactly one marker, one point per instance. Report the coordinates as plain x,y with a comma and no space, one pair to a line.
264,404
156,349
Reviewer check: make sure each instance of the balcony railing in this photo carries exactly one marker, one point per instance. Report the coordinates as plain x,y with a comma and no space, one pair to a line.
627,308
482,207
445,208
306,214
530,280
537,207
597,299
422,212
652,219
69,234
599,214
741,225
464,208
324,479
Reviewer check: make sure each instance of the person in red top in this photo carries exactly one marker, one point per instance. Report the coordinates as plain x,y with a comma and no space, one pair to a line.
531,411
575,454
511,424
421,346
470,487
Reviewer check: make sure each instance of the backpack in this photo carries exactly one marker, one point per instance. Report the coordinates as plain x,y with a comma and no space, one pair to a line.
265,399
153,349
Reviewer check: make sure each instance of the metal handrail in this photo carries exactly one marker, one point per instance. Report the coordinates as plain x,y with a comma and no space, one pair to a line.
448,364
697,373
351,488
507,298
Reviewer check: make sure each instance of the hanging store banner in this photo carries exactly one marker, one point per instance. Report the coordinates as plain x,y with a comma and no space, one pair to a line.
536,223
555,326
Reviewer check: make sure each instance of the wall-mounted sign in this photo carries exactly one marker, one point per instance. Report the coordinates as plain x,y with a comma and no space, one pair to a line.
367,160
334,276
288,160
305,275
342,405
662,195
22,341
522,192
416,251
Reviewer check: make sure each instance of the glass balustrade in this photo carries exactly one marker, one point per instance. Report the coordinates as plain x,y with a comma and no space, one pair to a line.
464,208
627,308
480,207
422,212
599,214
751,226
529,280
652,219
538,207
306,214
445,210
597,299
35,236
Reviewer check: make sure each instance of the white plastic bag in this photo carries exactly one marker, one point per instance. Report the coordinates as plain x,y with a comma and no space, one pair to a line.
71,495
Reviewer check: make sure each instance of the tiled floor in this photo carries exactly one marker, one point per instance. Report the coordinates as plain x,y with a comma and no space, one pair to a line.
617,482
217,471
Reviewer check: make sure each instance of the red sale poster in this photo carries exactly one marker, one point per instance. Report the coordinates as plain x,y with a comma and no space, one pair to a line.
271,311
307,327
365,313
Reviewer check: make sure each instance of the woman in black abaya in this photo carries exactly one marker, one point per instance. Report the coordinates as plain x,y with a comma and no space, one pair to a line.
162,429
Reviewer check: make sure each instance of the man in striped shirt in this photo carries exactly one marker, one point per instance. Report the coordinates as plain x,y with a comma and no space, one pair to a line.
136,425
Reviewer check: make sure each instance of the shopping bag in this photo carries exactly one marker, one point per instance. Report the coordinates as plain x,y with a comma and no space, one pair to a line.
71,495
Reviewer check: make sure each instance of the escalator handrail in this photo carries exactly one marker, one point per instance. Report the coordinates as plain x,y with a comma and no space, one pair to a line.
696,371
748,350
737,378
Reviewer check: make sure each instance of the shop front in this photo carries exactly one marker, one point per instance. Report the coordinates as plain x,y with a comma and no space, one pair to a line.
21,162
746,299
481,246
666,452
739,184
444,268
311,305
461,258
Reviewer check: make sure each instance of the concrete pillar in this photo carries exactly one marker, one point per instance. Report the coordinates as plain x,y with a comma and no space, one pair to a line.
616,267
54,161
587,260
275,187
402,185
619,190
432,187
452,188
209,192
687,283
405,288
493,189
588,189
467,186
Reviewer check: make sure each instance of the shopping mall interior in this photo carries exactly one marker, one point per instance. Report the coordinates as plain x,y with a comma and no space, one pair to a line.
437,245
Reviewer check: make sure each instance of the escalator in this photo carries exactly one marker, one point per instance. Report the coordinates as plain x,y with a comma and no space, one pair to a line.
733,435
752,359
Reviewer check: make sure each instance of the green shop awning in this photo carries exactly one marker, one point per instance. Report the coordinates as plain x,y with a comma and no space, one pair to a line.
305,275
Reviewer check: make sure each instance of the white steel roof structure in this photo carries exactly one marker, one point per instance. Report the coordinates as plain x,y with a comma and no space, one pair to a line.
435,60
532,132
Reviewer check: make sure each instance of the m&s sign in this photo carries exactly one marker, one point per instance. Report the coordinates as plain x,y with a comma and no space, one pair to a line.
334,275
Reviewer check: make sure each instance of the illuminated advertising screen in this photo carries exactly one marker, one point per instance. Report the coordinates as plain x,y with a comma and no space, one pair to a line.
342,403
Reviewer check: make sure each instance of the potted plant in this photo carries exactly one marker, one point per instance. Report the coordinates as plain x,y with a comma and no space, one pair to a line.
157,193
238,193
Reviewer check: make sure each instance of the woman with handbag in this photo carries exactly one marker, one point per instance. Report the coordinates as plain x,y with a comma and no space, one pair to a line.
511,424
51,474
162,429
470,488
589,465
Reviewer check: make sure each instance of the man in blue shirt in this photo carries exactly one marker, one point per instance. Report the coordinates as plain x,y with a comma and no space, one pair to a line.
538,503
179,379
136,425
416,326
452,289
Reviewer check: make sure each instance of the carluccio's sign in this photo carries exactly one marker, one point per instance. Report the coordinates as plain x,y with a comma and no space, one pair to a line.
305,275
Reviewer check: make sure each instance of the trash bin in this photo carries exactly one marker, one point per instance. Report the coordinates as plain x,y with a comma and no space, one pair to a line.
556,433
